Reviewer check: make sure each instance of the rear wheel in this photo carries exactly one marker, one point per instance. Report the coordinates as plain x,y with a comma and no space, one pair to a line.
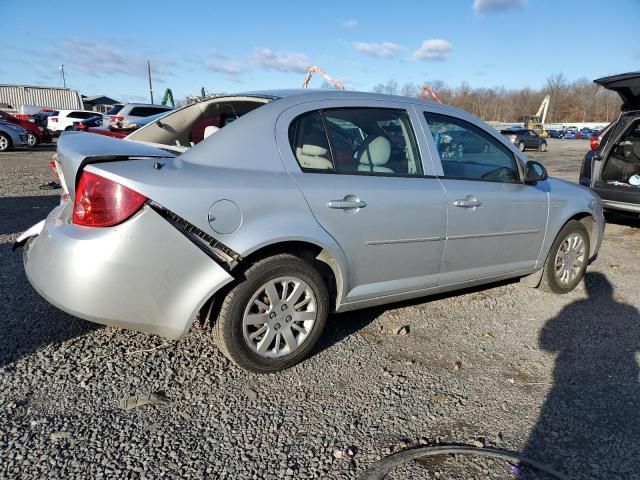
5,142
521,146
567,260
274,316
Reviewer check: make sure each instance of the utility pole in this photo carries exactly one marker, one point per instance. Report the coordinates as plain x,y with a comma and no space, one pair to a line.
150,85
64,82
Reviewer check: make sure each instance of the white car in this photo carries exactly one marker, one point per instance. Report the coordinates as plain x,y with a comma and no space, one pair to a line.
65,119
120,116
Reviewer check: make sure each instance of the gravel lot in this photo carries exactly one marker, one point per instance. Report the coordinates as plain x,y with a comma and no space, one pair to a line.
553,377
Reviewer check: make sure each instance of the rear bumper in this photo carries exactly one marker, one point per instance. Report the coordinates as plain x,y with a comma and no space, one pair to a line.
141,275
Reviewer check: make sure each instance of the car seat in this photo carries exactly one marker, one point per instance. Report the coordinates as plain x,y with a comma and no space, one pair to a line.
374,154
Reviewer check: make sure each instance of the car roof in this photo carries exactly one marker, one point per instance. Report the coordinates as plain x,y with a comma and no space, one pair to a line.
145,105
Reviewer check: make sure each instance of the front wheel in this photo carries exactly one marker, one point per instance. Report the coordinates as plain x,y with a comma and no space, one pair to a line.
5,142
543,147
275,314
567,261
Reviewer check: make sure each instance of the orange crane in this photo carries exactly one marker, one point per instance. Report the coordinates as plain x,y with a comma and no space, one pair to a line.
316,69
426,90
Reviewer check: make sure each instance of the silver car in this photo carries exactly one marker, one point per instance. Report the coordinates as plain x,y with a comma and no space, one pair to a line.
265,212
12,136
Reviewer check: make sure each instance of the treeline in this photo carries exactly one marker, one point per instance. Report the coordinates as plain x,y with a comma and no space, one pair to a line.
577,101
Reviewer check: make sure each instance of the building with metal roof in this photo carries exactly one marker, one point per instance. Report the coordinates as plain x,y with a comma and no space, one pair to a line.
16,97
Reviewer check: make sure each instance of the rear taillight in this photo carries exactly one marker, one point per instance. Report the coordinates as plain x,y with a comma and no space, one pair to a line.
117,119
101,202
53,119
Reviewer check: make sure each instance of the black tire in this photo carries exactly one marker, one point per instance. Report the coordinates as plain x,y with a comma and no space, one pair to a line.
522,146
228,329
68,129
550,282
543,147
5,143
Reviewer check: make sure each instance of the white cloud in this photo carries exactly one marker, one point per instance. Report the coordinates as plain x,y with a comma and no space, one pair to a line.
281,61
232,68
350,23
93,58
434,49
381,50
496,5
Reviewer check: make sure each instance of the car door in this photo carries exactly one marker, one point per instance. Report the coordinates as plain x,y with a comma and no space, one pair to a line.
496,223
533,141
361,172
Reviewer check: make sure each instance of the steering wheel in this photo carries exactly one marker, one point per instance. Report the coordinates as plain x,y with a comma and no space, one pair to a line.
502,174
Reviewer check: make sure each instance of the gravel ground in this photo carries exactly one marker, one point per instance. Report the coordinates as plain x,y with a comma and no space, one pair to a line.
553,377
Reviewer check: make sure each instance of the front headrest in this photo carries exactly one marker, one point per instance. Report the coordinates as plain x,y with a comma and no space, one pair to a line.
210,130
313,150
377,151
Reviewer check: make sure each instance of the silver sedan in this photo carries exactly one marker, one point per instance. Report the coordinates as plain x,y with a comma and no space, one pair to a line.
265,212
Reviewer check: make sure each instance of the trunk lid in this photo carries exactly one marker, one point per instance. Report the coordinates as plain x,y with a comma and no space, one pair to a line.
627,85
78,149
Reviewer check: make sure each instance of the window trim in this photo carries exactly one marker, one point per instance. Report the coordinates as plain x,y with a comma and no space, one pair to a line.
415,145
516,163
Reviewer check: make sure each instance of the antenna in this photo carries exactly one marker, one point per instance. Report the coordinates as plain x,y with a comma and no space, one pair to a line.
150,85
64,82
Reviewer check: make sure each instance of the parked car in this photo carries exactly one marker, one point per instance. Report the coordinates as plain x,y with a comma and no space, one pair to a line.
523,139
122,115
12,135
555,133
260,228
64,120
613,170
40,118
35,133
572,135
586,133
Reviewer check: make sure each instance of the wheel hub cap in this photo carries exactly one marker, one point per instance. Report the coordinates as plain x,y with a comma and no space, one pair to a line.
570,258
279,317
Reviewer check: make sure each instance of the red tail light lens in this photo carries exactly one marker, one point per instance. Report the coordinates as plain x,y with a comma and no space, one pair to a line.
53,119
101,202
81,126
595,142
117,119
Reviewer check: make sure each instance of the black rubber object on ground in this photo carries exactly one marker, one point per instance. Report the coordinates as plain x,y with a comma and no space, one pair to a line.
380,469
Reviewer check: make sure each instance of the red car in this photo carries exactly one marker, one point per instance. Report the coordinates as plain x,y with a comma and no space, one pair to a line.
35,133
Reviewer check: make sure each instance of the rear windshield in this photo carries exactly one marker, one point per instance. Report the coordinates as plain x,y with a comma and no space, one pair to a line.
115,109
511,132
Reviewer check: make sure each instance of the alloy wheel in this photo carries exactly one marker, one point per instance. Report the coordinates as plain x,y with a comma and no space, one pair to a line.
279,317
570,258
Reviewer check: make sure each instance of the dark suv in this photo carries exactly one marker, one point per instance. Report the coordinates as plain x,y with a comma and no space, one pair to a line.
613,169
523,139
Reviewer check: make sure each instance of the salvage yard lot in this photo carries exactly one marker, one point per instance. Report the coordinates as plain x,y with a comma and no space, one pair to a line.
554,377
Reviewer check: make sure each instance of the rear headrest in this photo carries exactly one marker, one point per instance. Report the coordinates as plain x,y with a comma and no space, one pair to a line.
210,130
376,151
313,150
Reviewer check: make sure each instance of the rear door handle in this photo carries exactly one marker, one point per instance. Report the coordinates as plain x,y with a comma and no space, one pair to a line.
469,202
349,202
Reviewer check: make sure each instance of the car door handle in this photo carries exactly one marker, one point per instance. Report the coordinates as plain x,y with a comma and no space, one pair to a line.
469,202
350,202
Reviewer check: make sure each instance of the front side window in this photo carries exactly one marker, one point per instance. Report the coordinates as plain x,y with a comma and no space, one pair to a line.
356,141
468,152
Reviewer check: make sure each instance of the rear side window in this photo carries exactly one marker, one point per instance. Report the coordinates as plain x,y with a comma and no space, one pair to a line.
469,153
361,141
309,142
145,111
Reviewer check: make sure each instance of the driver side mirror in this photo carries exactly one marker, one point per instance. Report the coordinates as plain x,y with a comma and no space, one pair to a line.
534,172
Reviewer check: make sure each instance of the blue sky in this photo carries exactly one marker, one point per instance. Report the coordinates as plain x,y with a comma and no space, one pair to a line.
246,45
